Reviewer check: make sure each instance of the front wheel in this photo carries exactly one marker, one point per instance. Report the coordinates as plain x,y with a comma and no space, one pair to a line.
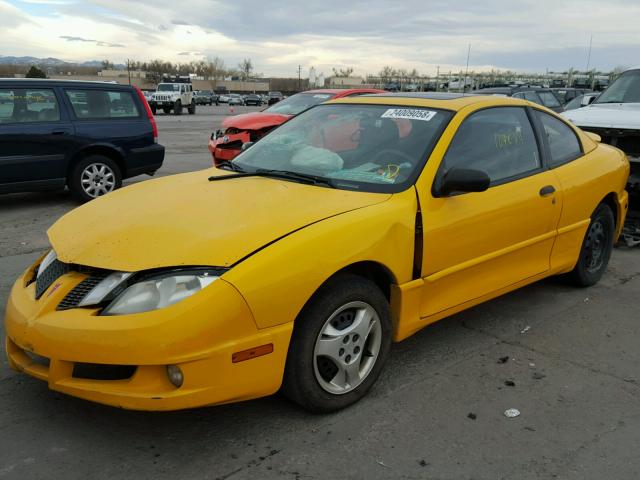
177,108
596,248
339,345
153,109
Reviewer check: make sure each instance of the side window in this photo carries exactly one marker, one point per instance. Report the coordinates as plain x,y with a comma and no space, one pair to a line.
564,145
21,105
95,104
549,99
499,141
532,97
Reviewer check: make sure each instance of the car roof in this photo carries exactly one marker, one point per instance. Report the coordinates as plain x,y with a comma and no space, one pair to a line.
345,91
444,101
54,82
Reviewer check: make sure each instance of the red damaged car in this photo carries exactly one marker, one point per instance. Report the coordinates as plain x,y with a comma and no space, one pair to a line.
226,144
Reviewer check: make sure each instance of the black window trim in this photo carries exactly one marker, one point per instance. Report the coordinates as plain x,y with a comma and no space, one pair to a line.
62,117
540,132
103,88
541,157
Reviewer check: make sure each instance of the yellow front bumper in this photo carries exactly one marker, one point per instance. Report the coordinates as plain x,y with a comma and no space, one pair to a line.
199,334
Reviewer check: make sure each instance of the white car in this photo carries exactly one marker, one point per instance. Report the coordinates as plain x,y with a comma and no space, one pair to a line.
615,117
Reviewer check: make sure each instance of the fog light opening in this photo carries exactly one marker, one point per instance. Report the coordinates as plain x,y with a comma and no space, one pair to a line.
175,375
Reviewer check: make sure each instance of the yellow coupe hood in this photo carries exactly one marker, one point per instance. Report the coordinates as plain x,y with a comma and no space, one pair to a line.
187,220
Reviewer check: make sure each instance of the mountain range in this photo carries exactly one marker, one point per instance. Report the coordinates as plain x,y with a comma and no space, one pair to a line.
53,62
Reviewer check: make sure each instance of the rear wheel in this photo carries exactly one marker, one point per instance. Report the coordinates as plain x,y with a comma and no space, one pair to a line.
596,248
339,345
192,108
93,177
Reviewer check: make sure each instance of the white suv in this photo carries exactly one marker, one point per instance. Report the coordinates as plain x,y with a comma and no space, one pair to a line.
173,96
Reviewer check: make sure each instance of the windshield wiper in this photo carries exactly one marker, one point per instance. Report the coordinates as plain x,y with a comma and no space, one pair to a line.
302,177
269,173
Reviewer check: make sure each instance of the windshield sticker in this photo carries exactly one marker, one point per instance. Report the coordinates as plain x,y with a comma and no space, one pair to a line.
410,114
322,95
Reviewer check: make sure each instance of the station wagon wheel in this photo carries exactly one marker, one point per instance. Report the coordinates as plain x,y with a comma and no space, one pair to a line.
93,177
340,343
596,248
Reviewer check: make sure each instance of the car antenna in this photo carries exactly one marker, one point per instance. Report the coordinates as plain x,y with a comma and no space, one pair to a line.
466,72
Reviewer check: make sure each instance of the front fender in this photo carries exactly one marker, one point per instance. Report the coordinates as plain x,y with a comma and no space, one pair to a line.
279,279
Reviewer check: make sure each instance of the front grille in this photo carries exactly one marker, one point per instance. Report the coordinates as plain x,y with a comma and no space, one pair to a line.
626,140
98,371
38,359
50,275
75,296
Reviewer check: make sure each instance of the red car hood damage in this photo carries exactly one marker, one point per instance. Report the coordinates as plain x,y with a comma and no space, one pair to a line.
254,121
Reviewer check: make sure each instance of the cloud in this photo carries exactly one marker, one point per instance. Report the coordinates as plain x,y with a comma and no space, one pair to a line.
530,35
90,40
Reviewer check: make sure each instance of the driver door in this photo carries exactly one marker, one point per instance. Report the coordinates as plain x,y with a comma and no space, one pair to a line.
478,243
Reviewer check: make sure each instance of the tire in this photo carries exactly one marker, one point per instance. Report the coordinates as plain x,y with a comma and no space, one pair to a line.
153,109
166,110
177,108
596,248
192,108
330,323
94,176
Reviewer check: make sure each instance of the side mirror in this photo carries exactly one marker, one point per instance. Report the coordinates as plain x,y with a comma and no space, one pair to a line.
245,146
463,180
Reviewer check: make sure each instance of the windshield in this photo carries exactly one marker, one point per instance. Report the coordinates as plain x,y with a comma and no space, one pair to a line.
168,87
626,89
298,103
376,148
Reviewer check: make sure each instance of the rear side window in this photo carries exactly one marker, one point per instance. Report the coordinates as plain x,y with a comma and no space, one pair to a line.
21,105
564,145
549,99
94,104
499,141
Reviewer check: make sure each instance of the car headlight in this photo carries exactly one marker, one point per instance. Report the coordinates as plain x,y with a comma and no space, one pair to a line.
159,292
46,261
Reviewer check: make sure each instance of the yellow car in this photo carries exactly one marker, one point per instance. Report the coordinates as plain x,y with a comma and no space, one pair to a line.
351,226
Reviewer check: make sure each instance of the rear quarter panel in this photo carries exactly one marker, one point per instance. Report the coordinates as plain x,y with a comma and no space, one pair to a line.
585,183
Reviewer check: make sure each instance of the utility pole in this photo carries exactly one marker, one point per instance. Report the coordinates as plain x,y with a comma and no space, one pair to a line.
438,78
589,54
299,77
129,70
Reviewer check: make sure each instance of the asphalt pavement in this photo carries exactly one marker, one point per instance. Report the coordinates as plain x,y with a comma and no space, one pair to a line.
567,359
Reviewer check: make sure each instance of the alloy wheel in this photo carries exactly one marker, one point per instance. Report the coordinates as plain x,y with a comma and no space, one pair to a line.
347,347
97,179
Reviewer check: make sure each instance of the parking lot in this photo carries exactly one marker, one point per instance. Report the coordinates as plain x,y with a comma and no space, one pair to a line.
566,358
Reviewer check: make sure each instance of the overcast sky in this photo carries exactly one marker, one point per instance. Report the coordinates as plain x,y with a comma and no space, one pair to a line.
366,35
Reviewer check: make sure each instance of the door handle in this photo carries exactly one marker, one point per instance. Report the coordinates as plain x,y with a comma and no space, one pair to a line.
60,132
547,190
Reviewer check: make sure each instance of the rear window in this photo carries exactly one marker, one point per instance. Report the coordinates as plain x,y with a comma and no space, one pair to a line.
92,104
28,105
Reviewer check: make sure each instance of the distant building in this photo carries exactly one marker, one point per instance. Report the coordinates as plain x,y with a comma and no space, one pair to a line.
344,82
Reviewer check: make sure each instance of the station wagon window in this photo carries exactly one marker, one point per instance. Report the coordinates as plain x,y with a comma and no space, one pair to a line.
549,100
530,96
95,104
28,105
564,145
499,141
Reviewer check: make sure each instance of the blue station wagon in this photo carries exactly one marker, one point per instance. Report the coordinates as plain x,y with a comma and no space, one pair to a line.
87,136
